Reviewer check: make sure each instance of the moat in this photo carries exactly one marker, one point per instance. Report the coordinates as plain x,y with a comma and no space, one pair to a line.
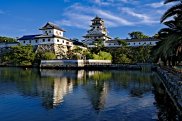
79,95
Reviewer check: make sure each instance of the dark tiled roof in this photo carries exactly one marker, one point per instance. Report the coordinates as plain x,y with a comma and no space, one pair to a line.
50,25
97,18
112,41
133,40
43,36
28,37
141,40
78,43
31,37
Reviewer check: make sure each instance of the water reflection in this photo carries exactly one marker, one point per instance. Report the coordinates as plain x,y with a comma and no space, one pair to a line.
166,109
53,87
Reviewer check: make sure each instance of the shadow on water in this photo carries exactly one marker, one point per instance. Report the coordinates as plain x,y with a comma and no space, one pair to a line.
166,109
53,86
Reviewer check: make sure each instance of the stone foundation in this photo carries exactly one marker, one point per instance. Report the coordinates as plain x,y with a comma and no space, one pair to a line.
173,84
59,50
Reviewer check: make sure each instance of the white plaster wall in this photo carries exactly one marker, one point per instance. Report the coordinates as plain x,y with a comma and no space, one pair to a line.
142,43
58,32
52,41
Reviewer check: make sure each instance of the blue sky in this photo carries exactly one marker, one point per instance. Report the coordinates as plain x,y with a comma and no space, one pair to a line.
21,17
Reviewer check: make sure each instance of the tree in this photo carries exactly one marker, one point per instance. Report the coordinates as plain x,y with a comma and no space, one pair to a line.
7,39
137,35
20,55
102,56
99,45
48,56
170,48
123,59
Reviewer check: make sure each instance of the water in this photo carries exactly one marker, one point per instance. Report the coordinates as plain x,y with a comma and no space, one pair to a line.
65,95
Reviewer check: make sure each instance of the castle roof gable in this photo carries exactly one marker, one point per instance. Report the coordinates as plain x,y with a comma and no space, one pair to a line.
50,25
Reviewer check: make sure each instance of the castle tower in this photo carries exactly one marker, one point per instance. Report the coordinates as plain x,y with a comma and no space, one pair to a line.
97,31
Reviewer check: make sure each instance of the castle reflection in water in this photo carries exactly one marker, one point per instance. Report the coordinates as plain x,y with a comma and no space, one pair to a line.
63,82
82,91
95,83
53,85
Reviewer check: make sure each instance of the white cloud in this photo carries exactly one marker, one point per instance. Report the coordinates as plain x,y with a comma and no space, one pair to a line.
81,16
114,18
102,2
113,2
134,14
140,18
156,4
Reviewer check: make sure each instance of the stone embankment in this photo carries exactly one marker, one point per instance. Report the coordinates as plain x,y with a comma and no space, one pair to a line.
86,64
173,84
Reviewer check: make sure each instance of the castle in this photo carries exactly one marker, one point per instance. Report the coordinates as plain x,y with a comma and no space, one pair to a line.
98,32
53,37
51,34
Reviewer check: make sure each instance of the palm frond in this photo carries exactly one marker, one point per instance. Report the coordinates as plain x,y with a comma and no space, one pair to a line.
164,32
177,9
171,24
168,1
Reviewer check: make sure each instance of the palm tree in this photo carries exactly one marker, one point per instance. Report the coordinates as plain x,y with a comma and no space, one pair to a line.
170,47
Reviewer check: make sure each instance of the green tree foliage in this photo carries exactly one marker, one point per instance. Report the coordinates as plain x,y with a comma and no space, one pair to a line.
123,59
141,54
48,56
170,48
19,55
137,35
7,39
99,45
44,56
120,41
120,55
78,53
102,56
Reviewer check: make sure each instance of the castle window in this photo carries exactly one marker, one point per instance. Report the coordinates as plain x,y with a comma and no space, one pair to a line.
29,41
57,40
134,43
150,42
43,40
49,31
63,41
67,43
23,41
139,43
36,41
49,40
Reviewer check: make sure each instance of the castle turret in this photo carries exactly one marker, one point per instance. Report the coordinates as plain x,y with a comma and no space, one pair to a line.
97,31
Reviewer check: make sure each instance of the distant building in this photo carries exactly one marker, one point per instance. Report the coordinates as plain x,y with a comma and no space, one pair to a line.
132,42
97,31
51,34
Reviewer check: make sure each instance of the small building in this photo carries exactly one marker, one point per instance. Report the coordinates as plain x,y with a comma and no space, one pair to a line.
97,31
51,34
132,42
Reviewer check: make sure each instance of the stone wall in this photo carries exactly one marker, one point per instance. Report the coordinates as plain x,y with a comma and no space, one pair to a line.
58,49
173,85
